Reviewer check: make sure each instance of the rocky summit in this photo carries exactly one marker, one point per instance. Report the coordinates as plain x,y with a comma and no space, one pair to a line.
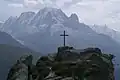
67,64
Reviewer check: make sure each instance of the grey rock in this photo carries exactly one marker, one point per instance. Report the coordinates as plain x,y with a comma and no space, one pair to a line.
20,70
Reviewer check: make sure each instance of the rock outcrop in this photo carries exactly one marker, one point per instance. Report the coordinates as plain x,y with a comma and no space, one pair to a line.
21,70
69,64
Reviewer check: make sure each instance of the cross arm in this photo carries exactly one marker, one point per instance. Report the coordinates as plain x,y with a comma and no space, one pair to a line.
64,35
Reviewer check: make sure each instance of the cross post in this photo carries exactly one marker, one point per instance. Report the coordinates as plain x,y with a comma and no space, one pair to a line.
64,35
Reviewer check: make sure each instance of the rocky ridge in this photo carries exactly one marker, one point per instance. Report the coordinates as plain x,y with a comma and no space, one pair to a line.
67,64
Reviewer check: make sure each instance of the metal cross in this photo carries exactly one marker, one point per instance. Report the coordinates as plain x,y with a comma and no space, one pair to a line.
64,35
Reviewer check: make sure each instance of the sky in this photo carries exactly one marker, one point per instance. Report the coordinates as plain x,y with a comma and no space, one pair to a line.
90,12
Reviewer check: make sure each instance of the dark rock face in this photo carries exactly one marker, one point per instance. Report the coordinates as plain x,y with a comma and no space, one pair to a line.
74,17
20,71
69,64
42,68
65,54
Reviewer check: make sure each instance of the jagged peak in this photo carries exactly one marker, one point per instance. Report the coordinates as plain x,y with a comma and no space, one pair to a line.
54,13
27,13
74,17
25,17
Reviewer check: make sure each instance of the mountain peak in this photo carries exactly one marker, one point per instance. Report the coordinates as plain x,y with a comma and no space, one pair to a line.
25,17
74,17
49,16
47,10
54,12
27,13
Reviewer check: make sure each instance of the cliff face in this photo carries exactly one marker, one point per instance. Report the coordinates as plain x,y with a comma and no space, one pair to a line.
71,64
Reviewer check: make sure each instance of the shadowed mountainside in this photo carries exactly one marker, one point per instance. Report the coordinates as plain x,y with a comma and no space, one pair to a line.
8,56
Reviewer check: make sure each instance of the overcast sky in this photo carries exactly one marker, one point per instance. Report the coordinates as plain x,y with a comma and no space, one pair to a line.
89,11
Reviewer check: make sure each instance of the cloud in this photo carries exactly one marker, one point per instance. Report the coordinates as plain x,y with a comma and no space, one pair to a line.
16,5
16,1
38,4
30,3
50,3
45,3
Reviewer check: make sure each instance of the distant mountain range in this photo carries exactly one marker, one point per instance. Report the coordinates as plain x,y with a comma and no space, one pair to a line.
107,31
40,31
